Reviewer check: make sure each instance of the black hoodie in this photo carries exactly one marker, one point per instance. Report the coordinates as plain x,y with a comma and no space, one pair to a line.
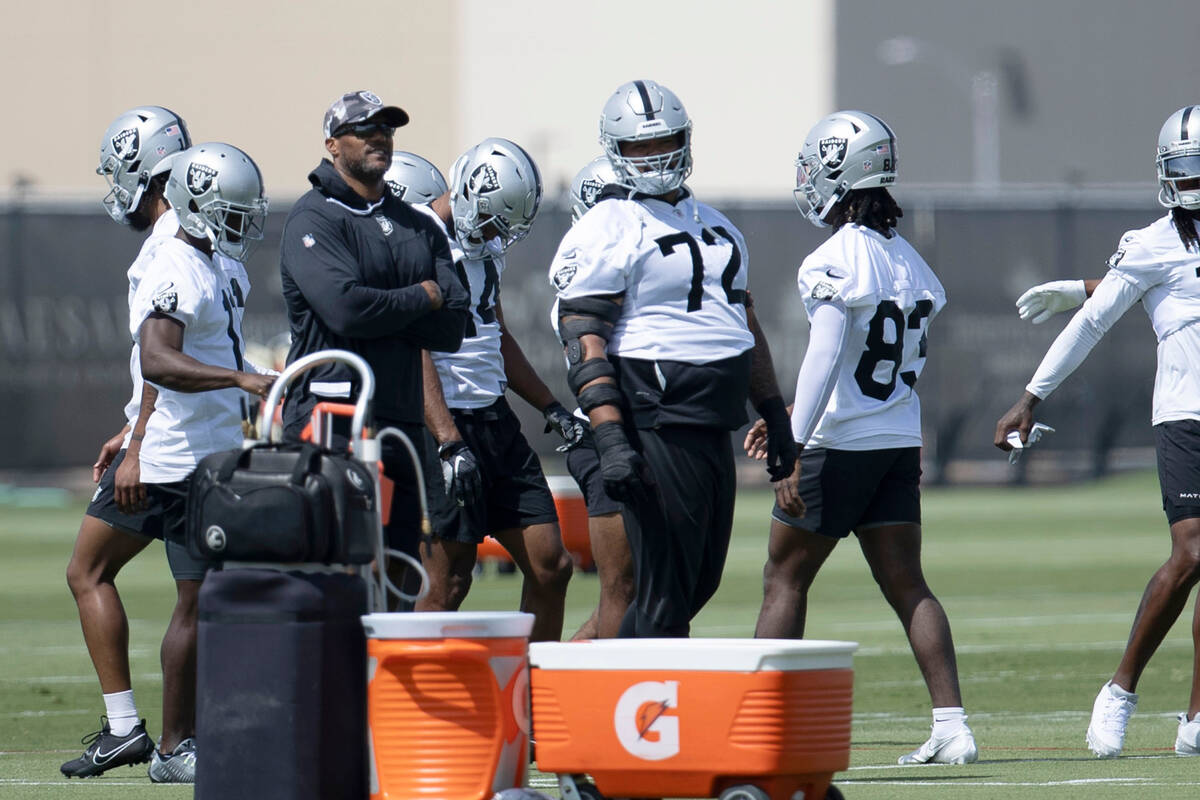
351,272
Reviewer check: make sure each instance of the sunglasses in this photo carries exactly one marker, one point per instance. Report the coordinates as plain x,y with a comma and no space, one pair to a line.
363,130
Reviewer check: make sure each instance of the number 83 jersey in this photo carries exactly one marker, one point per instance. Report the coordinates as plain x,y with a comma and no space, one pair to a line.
682,269
890,295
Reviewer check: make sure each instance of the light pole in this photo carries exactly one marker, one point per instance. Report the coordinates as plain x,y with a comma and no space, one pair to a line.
982,87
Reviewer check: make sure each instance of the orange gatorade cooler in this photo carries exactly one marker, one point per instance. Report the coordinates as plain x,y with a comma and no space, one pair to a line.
572,524
447,703
572,519
744,719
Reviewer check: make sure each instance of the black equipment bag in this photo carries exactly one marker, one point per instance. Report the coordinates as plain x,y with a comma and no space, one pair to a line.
282,503
281,690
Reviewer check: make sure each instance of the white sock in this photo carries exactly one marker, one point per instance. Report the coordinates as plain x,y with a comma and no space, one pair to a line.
122,712
948,721
1117,691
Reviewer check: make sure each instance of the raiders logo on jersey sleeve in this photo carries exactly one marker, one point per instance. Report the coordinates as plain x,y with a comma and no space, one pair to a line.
166,299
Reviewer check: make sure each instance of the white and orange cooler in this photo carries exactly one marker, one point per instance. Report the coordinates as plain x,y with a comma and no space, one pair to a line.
447,703
767,718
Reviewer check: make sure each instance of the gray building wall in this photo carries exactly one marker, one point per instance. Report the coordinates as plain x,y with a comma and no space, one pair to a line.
1088,85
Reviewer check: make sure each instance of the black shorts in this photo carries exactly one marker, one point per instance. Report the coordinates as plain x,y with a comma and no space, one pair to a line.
846,490
515,492
583,462
163,519
1178,447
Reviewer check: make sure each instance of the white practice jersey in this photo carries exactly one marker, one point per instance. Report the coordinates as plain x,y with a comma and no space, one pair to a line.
1154,260
188,286
682,270
1151,264
473,376
165,227
890,294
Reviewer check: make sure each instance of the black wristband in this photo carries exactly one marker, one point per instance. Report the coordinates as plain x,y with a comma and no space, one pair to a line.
610,435
773,411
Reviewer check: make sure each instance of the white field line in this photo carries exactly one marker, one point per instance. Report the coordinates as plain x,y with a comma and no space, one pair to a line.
72,679
66,650
867,718
55,713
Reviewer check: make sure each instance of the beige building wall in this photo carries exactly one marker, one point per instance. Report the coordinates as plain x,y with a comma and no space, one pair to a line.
753,74
260,73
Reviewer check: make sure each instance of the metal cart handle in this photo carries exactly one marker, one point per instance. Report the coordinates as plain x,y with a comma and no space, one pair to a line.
361,407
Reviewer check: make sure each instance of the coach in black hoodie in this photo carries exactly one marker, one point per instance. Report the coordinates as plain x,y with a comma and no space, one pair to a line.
362,271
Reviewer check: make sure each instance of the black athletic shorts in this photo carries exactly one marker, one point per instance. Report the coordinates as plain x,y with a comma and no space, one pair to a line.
163,519
583,462
846,490
1178,447
515,492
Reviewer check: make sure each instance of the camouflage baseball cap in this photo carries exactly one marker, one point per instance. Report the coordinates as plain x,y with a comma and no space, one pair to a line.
354,107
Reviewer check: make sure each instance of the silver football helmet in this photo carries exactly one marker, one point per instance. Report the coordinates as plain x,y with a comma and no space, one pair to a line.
641,110
138,145
217,193
413,179
1178,160
494,183
845,151
588,183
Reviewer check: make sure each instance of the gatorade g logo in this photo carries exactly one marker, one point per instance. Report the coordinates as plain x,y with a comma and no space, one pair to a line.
646,721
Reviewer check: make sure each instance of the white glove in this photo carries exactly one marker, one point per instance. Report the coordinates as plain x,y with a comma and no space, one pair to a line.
1035,435
1047,299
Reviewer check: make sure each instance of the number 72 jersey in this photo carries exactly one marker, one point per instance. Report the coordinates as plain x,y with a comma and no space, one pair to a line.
890,295
681,269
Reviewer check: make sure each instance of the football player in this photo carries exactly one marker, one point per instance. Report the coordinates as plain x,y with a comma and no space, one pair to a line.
136,154
1160,266
606,530
870,298
494,482
653,313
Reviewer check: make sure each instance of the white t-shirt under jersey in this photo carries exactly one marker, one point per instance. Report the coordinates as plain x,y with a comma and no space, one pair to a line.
682,270
473,376
188,286
1151,265
890,294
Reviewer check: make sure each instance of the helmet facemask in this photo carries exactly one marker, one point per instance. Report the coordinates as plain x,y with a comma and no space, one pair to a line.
1179,176
653,175
234,229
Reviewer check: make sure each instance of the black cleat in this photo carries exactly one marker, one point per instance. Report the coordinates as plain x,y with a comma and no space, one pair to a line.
106,751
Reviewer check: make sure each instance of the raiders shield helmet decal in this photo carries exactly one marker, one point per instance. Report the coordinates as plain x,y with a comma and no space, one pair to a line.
127,144
483,180
833,151
397,188
200,178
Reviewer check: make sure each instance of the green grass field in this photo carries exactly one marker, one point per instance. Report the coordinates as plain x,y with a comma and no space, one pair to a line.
1040,586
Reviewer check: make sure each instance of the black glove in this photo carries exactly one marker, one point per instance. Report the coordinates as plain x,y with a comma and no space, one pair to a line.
626,476
565,424
464,483
781,447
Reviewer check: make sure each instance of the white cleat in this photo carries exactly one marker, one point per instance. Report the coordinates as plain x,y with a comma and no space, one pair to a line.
956,749
1187,740
1110,715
